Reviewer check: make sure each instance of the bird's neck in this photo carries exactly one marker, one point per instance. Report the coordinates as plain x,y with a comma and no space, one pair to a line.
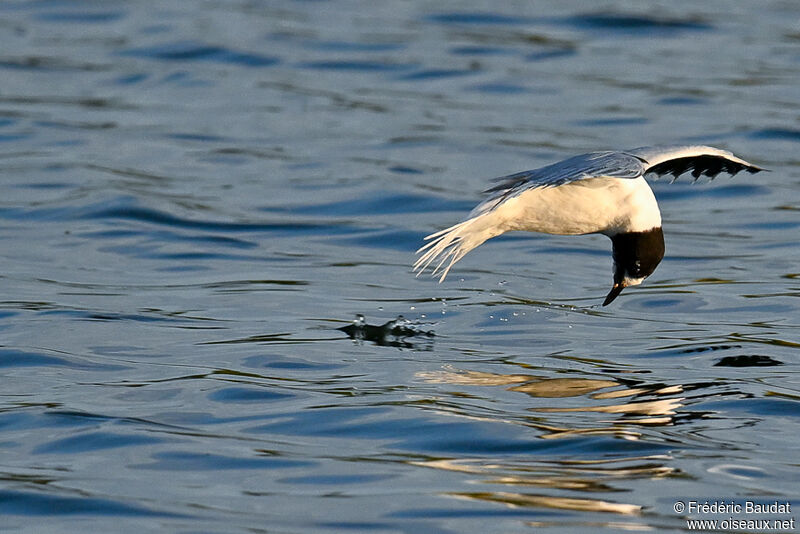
641,207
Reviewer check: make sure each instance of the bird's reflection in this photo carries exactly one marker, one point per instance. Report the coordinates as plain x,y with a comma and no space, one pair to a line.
584,477
548,501
631,407
645,411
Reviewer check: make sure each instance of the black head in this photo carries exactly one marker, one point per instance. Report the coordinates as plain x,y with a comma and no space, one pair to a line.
636,256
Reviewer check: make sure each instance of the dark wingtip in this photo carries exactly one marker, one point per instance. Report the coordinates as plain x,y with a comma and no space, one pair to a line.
614,293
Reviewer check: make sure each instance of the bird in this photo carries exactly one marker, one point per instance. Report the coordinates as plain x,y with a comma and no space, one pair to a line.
603,192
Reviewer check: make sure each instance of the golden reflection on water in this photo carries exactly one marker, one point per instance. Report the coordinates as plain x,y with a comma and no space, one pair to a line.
586,475
641,412
563,387
451,375
546,501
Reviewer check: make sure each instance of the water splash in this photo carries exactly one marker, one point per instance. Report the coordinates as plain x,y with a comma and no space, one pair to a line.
394,333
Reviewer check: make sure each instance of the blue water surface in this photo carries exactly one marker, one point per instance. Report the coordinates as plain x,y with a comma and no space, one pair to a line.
200,198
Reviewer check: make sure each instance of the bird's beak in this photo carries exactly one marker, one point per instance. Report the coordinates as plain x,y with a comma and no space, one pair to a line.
615,291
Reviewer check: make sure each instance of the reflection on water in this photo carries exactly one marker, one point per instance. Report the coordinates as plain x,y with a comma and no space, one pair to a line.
527,499
607,470
580,478
198,197
642,411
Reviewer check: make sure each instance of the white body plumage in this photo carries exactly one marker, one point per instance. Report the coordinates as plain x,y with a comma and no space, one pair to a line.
597,205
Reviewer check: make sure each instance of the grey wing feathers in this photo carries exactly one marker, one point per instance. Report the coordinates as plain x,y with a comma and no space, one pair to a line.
659,160
591,165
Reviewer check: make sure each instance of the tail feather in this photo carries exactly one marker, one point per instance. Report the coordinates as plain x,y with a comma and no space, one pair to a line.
451,244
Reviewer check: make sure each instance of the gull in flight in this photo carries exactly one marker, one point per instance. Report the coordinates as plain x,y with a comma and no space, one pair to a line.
595,193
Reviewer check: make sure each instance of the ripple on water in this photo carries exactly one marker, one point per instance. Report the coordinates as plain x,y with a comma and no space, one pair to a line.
452,437
680,190
29,417
783,134
240,395
478,18
198,51
356,66
385,239
634,25
336,480
764,407
682,101
94,441
33,503
10,358
436,74
552,53
619,121
77,16
192,461
353,46
482,50
500,88
128,209
289,363
380,203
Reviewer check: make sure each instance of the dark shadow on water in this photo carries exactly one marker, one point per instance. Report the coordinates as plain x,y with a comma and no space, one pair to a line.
478,18
197,51
783,134
633,25
34,503
750,360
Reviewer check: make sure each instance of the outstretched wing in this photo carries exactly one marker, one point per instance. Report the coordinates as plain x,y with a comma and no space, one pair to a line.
701,160
591,165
